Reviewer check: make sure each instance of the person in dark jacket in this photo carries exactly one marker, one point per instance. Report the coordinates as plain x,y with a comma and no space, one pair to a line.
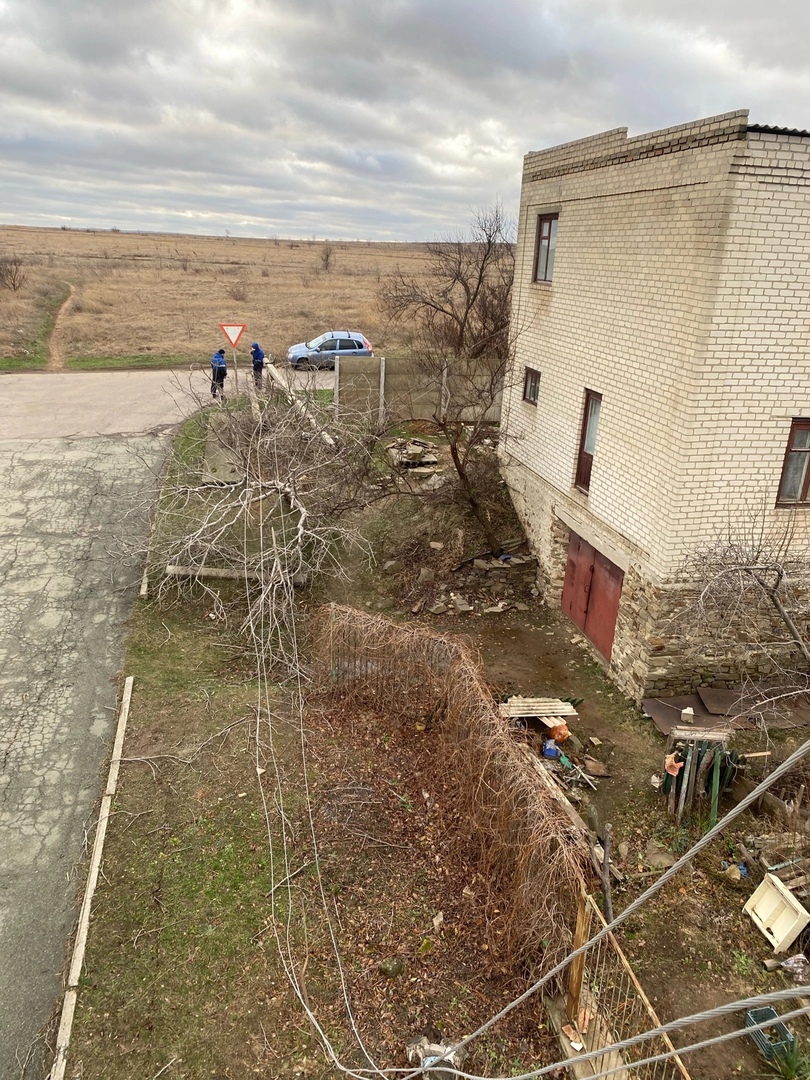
257,356
219,373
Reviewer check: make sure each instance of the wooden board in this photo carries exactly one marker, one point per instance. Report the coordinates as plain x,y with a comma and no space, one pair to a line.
549,711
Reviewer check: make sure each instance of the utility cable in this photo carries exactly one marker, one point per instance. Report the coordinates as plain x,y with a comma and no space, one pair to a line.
640,901
259,636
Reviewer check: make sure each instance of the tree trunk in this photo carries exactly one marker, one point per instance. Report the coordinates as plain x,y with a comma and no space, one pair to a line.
471,499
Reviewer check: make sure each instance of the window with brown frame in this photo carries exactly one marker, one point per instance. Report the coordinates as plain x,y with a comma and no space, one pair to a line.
531,385
794,486
545,247
587,439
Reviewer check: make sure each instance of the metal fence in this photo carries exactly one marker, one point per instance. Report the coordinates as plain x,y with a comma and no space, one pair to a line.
606,1002
402,389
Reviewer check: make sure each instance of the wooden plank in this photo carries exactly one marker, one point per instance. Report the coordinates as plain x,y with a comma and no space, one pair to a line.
577,969
687,769
520,706
550,785
687,733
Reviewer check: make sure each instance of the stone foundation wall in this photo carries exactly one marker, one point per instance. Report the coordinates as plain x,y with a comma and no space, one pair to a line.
659,649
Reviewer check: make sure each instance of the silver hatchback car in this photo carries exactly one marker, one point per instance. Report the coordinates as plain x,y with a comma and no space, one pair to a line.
323,350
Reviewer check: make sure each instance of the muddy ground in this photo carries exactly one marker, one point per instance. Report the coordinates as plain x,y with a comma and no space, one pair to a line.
692,947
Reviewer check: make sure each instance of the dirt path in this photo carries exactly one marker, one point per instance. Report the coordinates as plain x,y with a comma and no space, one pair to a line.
56,360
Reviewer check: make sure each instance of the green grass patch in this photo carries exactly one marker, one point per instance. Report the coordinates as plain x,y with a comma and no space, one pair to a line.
27,363
129,363
322,396
189,444
36,349
177,965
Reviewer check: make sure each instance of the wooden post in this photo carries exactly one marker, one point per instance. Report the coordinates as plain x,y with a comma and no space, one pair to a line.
606,891
715,788
577,968
684,783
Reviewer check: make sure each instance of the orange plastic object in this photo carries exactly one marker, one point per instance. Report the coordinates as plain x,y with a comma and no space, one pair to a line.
559,733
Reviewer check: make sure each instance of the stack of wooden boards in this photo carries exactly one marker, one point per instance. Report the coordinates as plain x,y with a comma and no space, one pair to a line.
549,711
786,855
708,767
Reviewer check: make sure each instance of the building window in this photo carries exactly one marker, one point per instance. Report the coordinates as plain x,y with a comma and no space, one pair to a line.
795,482
587,439
546,247
531,386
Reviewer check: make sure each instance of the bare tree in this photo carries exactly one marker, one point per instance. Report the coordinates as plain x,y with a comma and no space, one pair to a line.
327,258
459,312
258,495
747,602
12,274
459,306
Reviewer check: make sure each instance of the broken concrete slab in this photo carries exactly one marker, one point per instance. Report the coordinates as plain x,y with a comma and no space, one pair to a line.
426,576
438,609
412,453
461,605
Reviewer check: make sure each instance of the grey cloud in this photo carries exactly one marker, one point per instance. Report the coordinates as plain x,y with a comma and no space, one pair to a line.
388,119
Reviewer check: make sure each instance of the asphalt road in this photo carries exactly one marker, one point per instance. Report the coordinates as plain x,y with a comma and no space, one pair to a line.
79,454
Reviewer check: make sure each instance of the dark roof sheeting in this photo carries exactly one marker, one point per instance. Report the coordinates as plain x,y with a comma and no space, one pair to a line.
766,129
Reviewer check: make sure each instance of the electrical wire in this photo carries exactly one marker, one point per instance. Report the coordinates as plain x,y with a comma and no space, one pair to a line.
702,1045
715,1013
640,901
259,637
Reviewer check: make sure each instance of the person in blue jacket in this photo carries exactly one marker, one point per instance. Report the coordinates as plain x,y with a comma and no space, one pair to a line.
257,356
219,373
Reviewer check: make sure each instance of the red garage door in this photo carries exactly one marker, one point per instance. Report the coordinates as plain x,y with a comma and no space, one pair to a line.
591,592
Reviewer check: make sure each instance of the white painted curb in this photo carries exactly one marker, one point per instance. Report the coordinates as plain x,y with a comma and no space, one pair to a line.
71,993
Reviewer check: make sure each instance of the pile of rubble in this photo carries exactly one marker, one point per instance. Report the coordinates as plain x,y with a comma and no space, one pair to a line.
485,586
417,456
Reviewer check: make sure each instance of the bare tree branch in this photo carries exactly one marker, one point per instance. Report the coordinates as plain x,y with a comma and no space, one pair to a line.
459,311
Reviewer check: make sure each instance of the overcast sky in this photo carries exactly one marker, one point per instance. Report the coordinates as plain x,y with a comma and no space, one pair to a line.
354,119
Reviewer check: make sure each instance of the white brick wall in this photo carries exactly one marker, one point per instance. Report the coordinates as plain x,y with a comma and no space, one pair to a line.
680,293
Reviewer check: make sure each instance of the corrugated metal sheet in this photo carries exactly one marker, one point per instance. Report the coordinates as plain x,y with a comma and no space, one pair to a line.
768,130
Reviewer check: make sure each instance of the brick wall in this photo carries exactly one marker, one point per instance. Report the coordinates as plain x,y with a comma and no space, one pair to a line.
680,293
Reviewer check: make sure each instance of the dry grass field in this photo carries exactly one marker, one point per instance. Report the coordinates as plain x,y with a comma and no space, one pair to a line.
154,299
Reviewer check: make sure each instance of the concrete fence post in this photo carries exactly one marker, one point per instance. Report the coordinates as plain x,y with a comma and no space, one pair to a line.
381,409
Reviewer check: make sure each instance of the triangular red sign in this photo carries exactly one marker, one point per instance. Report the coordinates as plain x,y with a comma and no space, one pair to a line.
233,331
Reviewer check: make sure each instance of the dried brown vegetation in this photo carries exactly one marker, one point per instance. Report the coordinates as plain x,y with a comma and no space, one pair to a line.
531,859
163,296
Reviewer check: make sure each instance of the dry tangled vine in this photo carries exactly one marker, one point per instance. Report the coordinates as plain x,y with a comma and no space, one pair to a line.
530,854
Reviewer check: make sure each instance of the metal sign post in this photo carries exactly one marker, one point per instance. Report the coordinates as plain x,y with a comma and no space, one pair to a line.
233,331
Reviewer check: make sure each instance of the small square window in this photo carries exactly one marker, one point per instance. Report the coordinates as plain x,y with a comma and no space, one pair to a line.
546,247
531,386
794,486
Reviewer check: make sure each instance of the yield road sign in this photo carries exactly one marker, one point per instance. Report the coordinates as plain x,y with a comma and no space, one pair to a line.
233,331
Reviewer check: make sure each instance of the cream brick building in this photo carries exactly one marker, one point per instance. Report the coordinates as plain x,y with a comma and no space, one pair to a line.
662,288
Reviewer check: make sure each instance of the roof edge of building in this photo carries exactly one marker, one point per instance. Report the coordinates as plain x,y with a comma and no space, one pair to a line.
613,146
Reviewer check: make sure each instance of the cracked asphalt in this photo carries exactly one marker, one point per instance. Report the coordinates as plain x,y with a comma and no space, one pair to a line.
79,454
